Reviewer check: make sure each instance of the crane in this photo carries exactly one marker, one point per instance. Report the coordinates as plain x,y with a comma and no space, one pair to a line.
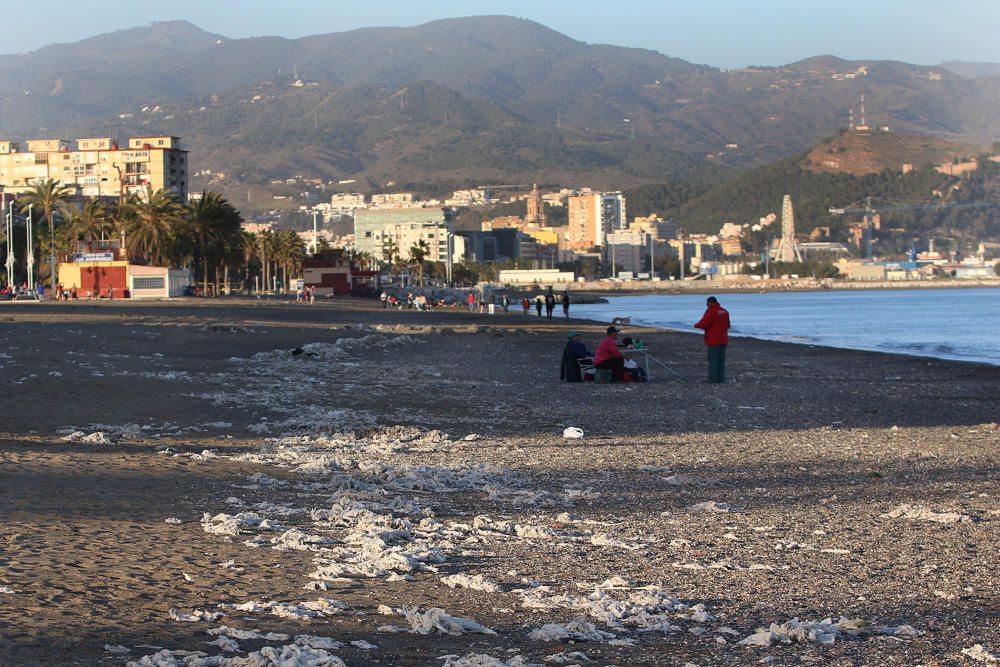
869,211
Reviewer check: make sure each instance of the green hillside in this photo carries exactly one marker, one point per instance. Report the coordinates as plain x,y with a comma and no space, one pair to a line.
419,133
756,193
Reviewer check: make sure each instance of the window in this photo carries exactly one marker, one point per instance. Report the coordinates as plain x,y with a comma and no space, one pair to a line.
148,282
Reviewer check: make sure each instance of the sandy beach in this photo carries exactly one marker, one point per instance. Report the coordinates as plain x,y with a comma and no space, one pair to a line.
252,482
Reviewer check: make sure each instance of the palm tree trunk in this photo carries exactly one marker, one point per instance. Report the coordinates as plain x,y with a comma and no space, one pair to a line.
204,275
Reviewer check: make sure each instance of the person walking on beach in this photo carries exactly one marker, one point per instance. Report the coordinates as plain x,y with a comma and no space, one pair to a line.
550,304
565,303
471,300
493,303
384,298
539,302
526,305
715,323
505,302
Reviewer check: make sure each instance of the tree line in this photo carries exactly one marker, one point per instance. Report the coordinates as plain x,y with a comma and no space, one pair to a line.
157,229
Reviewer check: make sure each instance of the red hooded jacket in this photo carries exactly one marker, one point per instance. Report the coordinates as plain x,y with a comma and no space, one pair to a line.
715,322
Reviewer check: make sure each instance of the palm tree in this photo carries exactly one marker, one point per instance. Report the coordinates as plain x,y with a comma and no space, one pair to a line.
265,250
152,228
92,222
248,245
213,226
418,253
289,253
50,198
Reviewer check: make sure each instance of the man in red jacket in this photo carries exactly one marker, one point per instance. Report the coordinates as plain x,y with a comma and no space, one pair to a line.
715,322
608,356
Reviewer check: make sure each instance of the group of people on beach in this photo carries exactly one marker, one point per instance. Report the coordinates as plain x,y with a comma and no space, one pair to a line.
61,293
612,360
305,294
480,302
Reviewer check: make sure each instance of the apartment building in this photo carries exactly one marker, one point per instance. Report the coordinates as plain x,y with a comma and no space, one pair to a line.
592,216
375,228
99,167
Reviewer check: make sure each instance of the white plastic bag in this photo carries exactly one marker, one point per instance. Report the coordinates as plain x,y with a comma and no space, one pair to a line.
573,432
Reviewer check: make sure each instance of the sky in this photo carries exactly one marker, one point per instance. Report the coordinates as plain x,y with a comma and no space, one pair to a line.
722,33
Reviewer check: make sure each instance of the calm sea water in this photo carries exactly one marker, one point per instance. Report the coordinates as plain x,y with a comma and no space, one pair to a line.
959,324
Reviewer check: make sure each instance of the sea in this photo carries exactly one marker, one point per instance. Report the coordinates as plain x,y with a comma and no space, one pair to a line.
961,324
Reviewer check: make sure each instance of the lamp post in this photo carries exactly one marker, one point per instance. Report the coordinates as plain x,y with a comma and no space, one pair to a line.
448,259
9,220
315,241
30,252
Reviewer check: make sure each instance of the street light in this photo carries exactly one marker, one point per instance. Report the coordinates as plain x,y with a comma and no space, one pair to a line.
30,254
448,259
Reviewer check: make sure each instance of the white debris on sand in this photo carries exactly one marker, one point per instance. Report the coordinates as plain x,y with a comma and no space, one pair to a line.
710,506
6,590
484,660
95,438
620,606
244,522
579,629
117,649
977,653
196,615
437,620
476,582
564,657
173,520
291,655
301,611
826,631
226,644
237,633
922,513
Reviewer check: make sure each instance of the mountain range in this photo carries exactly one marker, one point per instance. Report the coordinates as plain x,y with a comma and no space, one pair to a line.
482,99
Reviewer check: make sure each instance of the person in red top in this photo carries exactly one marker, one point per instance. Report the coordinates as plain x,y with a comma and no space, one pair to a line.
608,356
715,322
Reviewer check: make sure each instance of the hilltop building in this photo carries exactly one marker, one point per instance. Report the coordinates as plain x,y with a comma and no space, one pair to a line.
98,167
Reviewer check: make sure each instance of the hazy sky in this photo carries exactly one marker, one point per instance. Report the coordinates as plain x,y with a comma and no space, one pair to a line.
724,33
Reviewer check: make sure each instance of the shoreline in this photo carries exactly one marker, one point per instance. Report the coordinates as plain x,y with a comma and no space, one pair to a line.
641,288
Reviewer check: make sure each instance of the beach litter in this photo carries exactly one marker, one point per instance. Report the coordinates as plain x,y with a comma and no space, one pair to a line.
826,631
484,660
476,583
579,629
573,433
922,513
437,620
977,653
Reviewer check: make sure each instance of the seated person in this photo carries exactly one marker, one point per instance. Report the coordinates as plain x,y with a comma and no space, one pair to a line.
574,351
609,357
632,367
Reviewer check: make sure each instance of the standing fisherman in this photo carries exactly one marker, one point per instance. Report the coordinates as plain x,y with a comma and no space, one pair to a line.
715,323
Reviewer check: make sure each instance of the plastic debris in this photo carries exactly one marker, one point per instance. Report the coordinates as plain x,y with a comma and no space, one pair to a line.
922,513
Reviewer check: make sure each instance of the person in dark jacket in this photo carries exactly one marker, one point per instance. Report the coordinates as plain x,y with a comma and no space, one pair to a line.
715,323
565,303
550,303
574,351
